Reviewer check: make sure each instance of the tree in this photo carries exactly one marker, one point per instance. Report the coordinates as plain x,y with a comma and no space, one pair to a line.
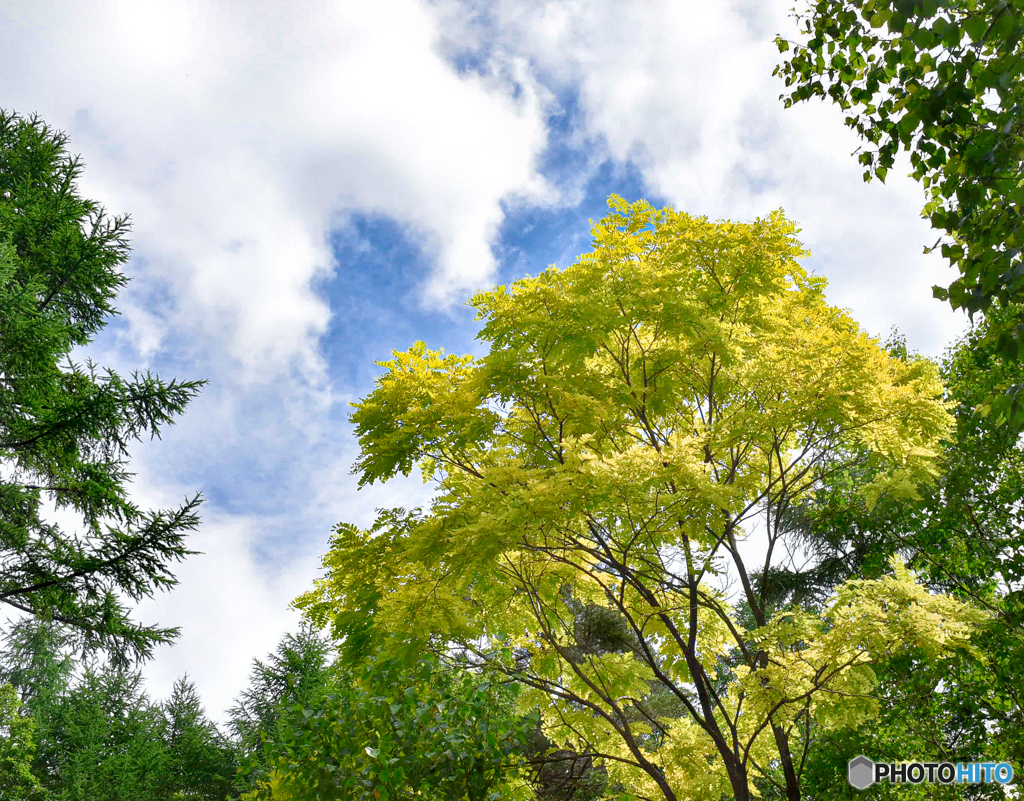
941,81
17,748
65,432
35,661
98,736
388,731
296,674
201,760
638,419
103,740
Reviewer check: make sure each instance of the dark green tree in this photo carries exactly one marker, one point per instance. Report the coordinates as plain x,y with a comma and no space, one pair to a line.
201,762
103,740
942,81
65,430
35,664
35,660
98,735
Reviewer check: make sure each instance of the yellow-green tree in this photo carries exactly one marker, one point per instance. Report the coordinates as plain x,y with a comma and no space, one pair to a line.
17,748
613,480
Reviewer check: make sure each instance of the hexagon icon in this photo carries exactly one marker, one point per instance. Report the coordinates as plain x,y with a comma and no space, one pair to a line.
861,772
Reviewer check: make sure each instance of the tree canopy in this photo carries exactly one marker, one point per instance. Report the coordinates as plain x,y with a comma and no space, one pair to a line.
614,480
694,534
98,735
389,731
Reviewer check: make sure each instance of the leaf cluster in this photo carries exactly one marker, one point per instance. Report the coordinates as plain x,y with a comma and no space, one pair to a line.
939,80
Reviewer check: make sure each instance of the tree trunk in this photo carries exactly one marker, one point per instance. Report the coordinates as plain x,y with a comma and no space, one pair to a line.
792,781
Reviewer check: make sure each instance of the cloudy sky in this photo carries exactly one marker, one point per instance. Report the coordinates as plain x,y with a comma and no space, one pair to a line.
314,184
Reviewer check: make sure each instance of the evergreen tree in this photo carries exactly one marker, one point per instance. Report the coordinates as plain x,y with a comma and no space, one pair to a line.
102,740
296,673
201,759
65,430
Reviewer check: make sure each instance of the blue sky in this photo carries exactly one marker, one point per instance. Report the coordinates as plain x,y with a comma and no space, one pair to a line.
313,185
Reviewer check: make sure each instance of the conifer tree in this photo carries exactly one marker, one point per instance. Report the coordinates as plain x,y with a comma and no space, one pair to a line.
65,430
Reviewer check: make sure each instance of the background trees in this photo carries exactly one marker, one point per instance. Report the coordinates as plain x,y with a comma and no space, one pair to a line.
65,432
312,729
201,761
638,415
390,731
98,735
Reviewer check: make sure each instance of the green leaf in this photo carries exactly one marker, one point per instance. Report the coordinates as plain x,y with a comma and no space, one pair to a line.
951,35
976,28
924,38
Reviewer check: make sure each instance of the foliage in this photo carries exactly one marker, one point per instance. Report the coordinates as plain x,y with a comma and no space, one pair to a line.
637,417
103,740
389,732
98,735
65,432
295,674
941,81
929,712
201,762
969,539
964,535
35,661
17,748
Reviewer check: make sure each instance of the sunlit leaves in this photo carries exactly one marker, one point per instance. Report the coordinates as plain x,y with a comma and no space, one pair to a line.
635,415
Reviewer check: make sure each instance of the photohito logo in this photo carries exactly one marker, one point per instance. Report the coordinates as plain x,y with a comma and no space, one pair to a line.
863,772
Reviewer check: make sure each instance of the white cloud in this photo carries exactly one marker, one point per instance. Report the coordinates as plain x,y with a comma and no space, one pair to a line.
232,601
236,132
232,607
686,91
